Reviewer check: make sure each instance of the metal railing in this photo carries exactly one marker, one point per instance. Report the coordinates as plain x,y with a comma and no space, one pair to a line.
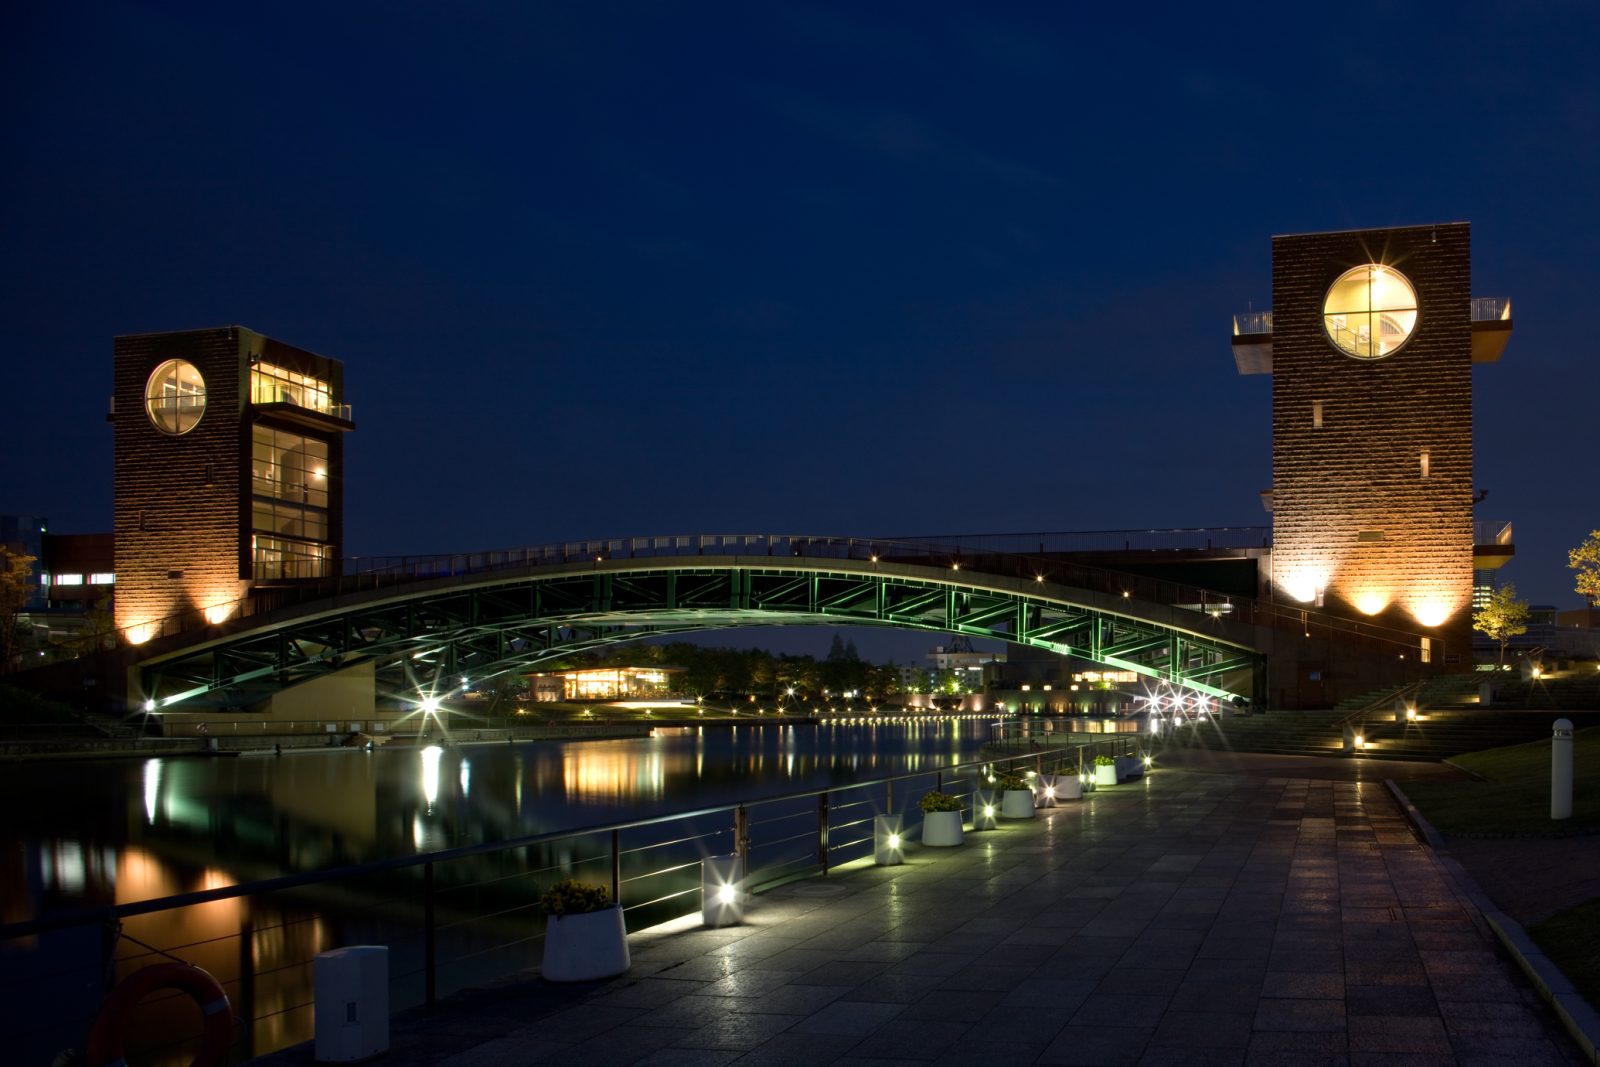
1191,538
1491,533
452,918
305,399
1252,322
1491,309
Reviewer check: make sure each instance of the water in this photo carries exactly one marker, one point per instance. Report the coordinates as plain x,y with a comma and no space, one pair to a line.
117,832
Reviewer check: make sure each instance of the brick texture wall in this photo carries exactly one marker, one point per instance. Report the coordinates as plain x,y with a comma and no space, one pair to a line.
180,515
1360,473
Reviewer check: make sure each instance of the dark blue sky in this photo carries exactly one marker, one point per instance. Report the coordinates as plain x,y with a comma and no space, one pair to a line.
607,270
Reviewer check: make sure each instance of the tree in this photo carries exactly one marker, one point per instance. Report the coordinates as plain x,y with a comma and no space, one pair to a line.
1585,560
1502,618
16,567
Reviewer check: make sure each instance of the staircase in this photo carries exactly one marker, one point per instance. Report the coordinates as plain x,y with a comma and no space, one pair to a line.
1449,719
1283,733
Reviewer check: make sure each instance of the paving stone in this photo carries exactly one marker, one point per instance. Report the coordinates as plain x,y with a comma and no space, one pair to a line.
1300,1015
1206,918
841,1018
1104,1046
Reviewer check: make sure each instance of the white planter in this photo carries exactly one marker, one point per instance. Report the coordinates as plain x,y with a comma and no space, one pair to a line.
1105,774
1017,804
581,948
942,829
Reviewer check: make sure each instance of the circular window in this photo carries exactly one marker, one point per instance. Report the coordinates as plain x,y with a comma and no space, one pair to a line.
1370,311
175,396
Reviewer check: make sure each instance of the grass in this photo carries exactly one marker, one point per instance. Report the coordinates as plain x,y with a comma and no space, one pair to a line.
1515,797
1572,941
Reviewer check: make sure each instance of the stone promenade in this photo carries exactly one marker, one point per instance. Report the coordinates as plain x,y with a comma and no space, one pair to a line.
1191,918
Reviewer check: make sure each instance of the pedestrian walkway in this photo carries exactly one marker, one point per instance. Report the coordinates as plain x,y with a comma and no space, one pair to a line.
1190,918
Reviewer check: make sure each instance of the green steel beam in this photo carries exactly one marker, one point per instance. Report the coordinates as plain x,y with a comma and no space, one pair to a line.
530,618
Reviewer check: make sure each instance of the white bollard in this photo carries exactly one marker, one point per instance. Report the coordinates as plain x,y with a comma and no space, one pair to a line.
1561,770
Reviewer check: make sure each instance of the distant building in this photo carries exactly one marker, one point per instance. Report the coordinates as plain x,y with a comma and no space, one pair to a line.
602,683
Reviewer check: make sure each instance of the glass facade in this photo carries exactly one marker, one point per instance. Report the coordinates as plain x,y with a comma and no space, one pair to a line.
282,558
289,506
270,384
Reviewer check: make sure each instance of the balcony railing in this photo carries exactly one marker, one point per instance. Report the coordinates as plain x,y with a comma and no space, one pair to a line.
1491,533
297,398
1491,309
1252,322
1484,309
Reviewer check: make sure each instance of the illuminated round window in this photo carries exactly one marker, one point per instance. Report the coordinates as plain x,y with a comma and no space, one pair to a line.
175,396
1370,311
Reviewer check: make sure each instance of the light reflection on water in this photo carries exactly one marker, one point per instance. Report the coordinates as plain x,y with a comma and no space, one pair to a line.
124,831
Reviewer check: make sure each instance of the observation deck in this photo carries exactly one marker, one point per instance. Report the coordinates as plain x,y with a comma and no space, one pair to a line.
1491,329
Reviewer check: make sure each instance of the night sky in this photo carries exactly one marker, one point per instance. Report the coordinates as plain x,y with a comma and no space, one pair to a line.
602,270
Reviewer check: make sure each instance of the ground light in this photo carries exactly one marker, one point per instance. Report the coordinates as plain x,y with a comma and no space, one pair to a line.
721,896
886,848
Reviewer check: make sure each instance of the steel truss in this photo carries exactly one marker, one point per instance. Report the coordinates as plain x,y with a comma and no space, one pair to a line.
516,623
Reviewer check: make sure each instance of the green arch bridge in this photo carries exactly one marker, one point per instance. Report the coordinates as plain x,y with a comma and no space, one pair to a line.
419,620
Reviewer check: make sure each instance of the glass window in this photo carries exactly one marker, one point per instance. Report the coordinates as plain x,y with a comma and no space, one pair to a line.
289,520
1370,311
279,558
175,396
270,384
286,466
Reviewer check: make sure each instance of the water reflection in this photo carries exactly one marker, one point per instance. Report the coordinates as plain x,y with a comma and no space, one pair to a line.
123,831
253,817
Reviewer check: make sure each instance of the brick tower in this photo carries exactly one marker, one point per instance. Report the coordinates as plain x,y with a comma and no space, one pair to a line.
229,471
1371,342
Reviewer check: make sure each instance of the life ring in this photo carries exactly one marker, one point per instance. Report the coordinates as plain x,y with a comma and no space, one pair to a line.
104,1048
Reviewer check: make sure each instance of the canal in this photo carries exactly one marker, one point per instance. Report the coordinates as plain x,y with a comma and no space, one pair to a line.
118,832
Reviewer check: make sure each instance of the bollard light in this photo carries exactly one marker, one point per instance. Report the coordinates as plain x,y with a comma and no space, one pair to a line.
721,894
888,846
985,812
1561,770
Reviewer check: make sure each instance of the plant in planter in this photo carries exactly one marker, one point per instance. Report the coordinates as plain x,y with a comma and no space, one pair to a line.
1105,770
584,935
941,819
1016,798
1058,787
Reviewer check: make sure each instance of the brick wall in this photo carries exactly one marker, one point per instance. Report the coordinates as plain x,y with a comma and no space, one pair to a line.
1361,472
181,501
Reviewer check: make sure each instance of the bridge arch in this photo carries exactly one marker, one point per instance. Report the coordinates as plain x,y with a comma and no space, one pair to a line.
481,623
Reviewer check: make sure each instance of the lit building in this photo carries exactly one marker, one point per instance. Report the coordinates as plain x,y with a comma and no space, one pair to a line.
229,471
602,683
1371,342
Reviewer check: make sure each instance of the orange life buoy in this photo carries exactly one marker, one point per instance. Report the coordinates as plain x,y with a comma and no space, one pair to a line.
105,1037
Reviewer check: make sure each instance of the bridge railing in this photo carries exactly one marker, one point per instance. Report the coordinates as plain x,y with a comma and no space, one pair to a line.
451,918
360,574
